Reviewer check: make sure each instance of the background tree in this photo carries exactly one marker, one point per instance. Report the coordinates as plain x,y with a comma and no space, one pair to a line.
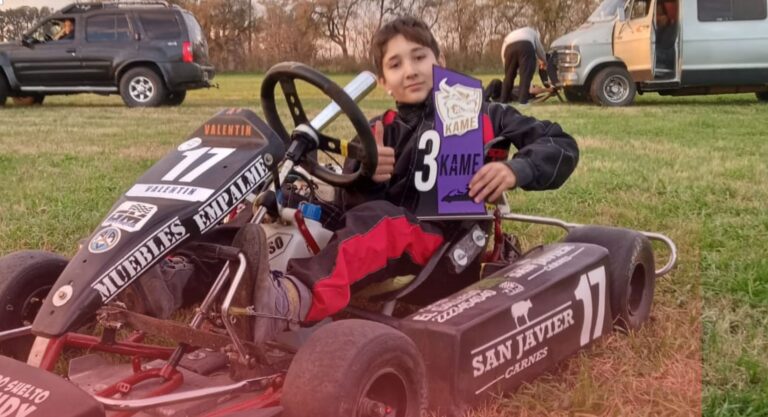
14,22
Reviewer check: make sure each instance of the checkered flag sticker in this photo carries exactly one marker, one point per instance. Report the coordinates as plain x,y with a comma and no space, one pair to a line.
140,209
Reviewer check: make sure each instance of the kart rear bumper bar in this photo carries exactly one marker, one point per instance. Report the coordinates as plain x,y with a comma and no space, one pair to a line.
568,226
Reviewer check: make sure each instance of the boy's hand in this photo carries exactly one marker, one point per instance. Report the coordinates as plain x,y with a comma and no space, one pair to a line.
491,181
386,164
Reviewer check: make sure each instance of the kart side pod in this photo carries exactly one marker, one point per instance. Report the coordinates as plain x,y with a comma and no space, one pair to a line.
514,325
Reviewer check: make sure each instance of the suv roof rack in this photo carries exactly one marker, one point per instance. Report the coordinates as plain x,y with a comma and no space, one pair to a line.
88,5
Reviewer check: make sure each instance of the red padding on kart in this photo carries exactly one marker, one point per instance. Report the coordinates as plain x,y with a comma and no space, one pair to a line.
364,254
389,117
487,129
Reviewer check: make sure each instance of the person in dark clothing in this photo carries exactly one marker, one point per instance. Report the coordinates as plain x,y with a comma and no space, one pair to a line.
666,34
521,52
66,31
381,237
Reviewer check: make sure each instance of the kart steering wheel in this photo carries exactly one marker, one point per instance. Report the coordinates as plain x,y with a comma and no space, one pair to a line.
363,150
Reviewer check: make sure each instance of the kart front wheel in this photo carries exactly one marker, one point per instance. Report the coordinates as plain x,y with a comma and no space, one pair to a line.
356,368
26,277
630,269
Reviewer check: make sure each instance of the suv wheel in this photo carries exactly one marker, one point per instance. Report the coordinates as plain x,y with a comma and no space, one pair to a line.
3,90
175,98
142,87
613,87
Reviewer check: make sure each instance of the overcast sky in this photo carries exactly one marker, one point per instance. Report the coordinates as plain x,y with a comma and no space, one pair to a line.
54,4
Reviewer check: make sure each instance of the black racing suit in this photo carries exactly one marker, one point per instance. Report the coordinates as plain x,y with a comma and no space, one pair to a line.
382,238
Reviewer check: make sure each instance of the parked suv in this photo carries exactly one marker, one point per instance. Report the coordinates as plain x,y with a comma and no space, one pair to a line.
149,52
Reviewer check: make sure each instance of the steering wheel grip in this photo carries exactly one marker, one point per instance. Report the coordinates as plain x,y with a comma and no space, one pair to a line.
285,73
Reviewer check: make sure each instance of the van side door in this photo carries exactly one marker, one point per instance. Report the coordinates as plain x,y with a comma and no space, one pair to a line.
633,39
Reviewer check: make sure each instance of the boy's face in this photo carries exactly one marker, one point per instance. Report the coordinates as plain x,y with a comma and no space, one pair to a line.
407,70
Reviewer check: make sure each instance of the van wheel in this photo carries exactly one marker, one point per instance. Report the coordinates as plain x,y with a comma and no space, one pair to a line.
175,98
576,95
142,87
32,100
762,96
613,87
356,368
630,269
26,277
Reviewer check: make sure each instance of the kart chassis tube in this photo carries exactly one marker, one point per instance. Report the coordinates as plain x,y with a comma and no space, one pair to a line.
568,226
162,395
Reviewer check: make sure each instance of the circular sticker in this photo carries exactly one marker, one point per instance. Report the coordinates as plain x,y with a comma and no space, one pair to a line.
104,240
62,295
190,144
460,257
479,237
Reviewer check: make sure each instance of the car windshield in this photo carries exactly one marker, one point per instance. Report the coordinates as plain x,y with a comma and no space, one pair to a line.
608,10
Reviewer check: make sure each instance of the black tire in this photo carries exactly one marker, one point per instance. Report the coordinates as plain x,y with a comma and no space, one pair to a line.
346,364
613,87
32,100
3,89
175,98
631,272
576,95
142,87
762,96
26,277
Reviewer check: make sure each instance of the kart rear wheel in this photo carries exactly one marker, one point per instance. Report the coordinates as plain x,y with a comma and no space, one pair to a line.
26,277
630,269
356,368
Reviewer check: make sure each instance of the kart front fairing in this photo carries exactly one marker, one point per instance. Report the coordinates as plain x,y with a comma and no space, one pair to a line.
181,197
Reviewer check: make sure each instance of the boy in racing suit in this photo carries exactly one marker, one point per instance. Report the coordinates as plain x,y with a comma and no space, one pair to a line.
381,237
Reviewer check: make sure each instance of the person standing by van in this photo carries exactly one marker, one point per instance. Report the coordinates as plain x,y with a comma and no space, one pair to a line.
520,52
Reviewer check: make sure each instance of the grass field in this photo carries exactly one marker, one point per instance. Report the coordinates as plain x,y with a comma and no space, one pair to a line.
693,168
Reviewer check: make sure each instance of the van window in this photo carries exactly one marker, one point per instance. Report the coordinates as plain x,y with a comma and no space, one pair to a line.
640,9
161,26
109,28
725,10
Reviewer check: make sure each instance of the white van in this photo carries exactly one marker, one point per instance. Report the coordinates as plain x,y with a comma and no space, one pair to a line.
673,47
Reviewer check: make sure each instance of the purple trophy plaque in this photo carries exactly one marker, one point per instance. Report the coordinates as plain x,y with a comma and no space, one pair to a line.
458,99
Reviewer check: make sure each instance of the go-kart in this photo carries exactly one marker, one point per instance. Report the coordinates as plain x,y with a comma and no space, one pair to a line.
110,307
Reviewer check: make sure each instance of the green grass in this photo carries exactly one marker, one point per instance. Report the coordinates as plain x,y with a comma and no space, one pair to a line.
693,168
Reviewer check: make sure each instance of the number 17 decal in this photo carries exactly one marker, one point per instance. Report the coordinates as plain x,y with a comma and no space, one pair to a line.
583,293
191,157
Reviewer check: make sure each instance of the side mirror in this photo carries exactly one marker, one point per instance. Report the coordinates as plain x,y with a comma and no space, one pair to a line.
26,41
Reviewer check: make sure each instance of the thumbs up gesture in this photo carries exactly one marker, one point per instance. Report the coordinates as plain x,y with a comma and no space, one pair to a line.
386,164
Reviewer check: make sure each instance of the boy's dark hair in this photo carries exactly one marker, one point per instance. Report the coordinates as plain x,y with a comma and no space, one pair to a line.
412,29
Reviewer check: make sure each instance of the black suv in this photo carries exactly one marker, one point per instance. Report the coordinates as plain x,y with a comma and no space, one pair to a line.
149,52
